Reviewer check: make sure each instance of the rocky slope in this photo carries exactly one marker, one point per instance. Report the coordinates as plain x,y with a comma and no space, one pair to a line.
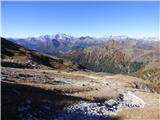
101,110
52,94
116,57
150,72
14,55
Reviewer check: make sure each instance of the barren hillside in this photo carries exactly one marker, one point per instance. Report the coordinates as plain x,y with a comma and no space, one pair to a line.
37,86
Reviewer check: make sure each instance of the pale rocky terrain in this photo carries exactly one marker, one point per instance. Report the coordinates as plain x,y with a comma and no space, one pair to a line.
101,96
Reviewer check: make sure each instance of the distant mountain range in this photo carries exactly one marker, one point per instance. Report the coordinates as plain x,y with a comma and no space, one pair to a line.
114,54
58,43
61,43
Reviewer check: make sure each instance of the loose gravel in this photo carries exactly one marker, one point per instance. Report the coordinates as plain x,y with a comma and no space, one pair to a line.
100,111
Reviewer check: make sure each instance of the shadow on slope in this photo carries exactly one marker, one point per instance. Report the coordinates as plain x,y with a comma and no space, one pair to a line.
21,100
14,55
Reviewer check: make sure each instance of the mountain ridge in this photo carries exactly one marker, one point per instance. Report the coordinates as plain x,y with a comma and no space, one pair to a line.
61,42
14,55
114,54
115,57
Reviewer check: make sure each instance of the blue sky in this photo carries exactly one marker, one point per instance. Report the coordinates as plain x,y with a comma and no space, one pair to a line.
135,19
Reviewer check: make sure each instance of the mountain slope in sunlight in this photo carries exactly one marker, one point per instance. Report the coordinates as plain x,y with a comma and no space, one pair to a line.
115,57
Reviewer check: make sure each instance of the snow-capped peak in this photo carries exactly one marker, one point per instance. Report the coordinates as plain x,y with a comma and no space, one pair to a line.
62,36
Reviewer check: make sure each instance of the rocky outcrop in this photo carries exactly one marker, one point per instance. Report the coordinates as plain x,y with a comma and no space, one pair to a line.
100,111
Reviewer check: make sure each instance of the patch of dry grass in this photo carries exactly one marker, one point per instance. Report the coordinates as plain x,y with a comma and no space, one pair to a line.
151,87
151,110
153,75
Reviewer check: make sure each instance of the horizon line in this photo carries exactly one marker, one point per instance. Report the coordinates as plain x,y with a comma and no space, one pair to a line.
102,36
